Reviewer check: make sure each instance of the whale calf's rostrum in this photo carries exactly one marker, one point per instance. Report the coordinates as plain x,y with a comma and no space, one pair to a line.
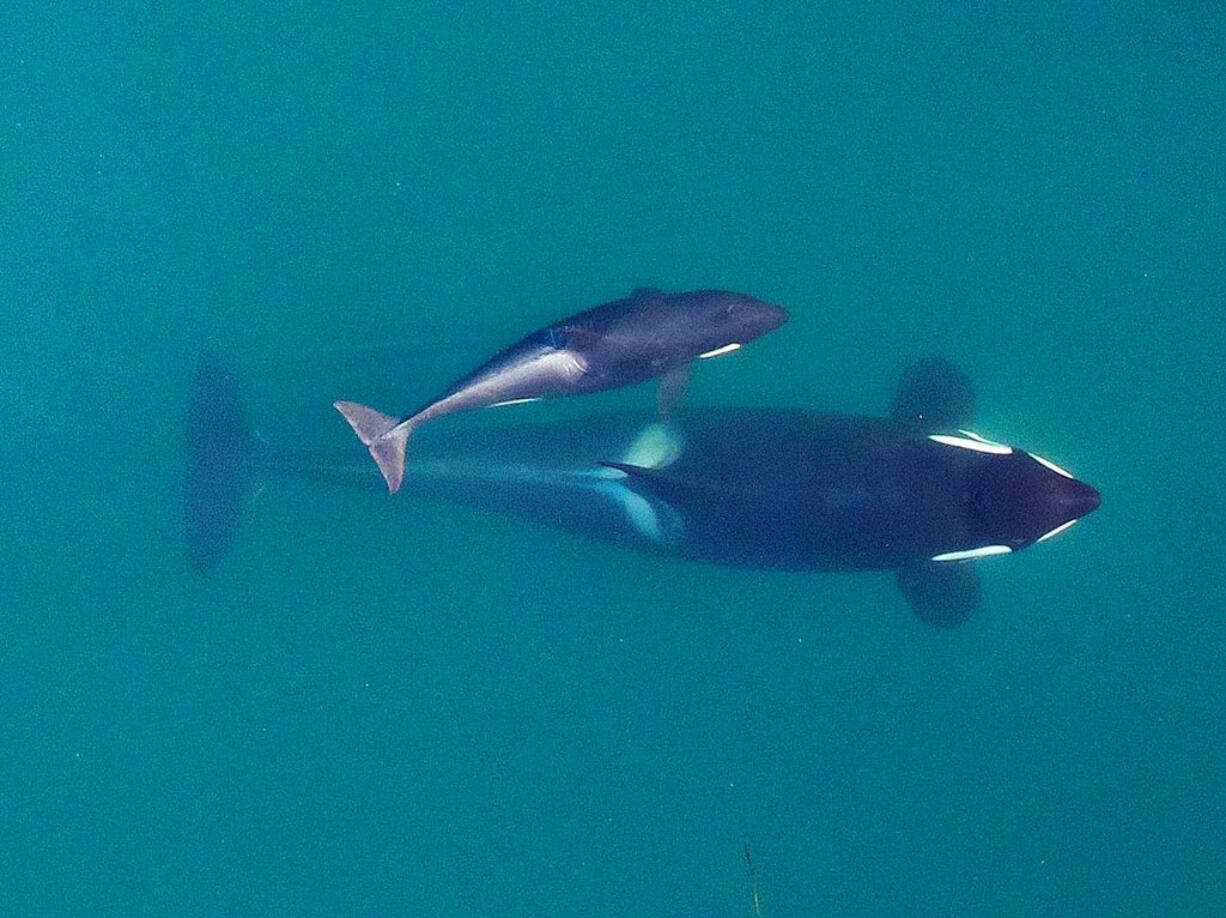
648,334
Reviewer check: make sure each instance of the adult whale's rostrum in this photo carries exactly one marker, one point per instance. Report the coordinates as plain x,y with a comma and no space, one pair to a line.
648,334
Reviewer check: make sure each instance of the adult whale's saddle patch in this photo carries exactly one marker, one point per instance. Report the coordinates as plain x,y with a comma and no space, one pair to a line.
656,447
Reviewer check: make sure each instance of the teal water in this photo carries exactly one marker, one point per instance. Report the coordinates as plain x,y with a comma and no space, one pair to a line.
400,709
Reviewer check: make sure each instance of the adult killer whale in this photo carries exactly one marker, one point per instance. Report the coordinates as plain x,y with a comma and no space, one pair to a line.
914,493
648,334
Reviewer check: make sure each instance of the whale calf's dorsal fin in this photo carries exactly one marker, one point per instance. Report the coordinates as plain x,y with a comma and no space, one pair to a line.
941,595
933,396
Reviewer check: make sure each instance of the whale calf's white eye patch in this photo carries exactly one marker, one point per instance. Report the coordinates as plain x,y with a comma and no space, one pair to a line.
983,551
719,351
1047,463
972,441
1055,532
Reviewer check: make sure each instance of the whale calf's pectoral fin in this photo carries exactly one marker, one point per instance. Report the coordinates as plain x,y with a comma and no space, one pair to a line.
933,395
941,595
672,388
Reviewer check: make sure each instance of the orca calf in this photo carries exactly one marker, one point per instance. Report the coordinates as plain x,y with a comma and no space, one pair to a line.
648,334
915,493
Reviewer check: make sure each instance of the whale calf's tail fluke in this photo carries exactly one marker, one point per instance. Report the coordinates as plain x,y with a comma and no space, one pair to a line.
222,462
385,436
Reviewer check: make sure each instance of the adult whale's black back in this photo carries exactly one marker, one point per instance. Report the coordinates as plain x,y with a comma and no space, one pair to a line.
646,335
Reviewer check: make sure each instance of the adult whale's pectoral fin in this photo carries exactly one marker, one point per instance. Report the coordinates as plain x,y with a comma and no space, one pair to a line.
933,396
672,388
941,595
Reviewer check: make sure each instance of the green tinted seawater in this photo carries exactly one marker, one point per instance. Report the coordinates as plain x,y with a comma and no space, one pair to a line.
379,709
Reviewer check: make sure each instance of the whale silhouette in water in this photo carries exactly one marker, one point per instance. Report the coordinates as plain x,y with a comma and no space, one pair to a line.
916,493
648,334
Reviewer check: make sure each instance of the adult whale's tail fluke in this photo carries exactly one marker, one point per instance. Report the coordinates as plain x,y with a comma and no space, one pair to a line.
385,436
221,465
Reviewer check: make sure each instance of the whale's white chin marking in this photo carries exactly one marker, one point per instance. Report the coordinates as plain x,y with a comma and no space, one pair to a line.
983,551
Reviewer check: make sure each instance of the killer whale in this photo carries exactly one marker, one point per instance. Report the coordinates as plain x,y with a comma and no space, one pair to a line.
915,492
645,335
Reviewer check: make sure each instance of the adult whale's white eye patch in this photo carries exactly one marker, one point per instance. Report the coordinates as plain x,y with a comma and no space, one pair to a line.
1055,532
972,441
1048,464
983,551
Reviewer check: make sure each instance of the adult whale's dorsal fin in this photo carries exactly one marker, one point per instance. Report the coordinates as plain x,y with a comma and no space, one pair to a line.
640,473
933,396
662,484
941,595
